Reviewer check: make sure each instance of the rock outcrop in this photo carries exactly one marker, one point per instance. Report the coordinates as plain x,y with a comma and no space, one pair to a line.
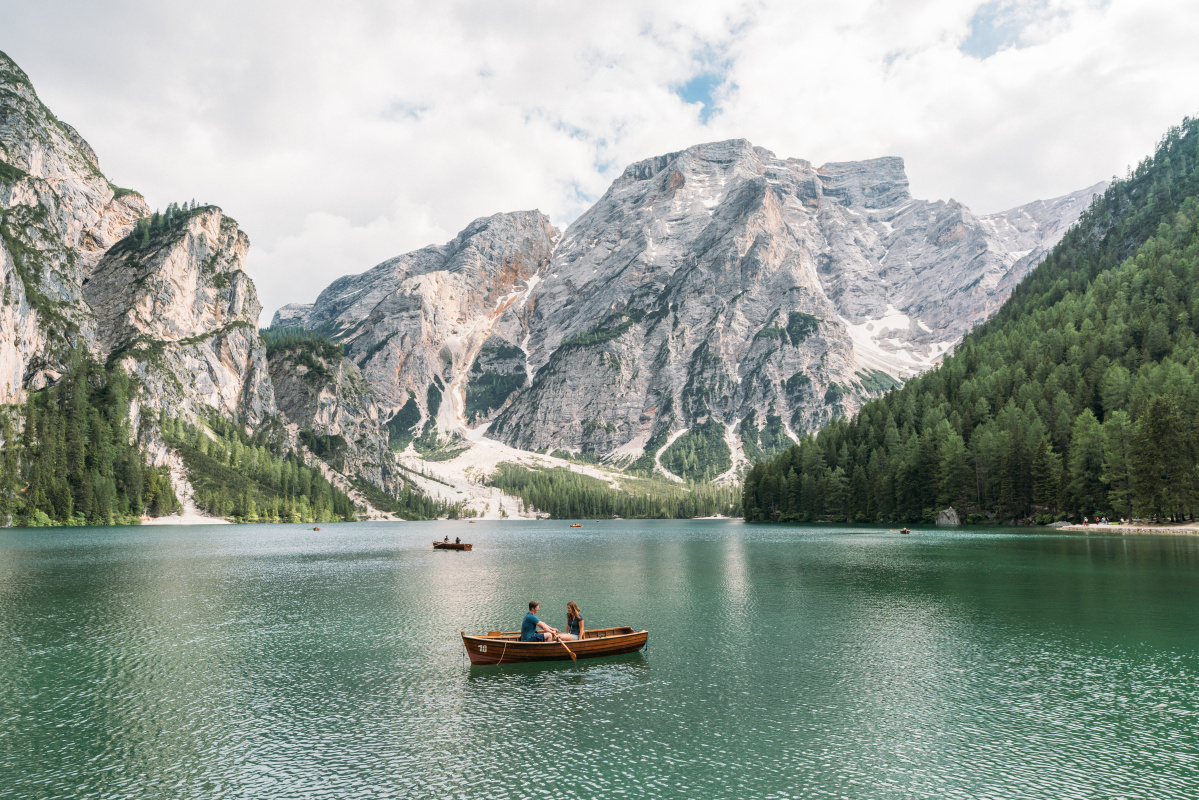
415,325
58,216
83,265
339,418
180,313
948,518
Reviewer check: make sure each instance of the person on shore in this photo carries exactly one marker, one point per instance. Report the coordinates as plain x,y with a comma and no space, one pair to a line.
531,625
574,623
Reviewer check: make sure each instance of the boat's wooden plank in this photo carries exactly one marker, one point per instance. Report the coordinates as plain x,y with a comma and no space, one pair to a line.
489,650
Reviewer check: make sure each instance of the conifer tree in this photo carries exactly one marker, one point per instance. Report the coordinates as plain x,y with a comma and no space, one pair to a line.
1118,446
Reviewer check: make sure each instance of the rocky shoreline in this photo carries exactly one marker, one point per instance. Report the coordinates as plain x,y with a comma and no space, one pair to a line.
1185,530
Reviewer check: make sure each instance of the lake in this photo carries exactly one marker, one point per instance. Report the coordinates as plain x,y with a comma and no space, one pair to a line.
276,661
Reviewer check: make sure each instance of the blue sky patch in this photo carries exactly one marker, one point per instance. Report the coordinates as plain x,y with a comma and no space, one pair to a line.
399,111
699,90
995,26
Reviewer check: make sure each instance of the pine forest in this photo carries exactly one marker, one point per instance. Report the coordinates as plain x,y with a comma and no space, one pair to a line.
1078,398
563,494
70,456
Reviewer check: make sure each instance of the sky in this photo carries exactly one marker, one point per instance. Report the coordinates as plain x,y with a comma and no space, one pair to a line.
342,134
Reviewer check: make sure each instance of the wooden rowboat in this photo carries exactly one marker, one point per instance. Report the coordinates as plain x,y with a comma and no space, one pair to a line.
450,546
507,648
577,525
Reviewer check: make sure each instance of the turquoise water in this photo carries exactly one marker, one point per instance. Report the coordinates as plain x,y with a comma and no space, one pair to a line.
276,661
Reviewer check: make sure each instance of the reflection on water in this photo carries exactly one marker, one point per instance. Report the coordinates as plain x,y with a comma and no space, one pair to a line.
587,671
275,661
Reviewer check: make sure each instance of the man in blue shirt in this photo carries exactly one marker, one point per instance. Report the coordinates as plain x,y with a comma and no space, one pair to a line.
530,626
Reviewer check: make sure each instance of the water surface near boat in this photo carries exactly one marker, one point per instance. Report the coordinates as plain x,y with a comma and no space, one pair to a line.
278,661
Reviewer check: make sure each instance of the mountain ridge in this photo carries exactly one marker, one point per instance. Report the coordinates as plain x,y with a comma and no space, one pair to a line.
722,225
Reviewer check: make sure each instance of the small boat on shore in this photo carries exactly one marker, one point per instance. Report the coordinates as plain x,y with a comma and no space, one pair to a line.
507,648
450,546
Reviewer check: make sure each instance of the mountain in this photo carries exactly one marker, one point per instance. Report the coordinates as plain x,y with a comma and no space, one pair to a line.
172,304
58,216
332,407
417,325
715,302
1078,397
131,337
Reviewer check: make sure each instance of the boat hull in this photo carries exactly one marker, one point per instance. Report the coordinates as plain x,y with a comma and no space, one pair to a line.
450,546
506,648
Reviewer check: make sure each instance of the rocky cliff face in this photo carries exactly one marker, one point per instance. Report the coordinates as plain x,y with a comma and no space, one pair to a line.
415,325
720,286
181,314
84,265
177,308
58,215
723,282
335,408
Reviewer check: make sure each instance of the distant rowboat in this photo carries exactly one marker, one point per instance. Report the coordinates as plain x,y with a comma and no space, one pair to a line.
904,530
506,648
577,525
450,546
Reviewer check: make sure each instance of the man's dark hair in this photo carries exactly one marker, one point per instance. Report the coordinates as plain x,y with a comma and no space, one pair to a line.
533,604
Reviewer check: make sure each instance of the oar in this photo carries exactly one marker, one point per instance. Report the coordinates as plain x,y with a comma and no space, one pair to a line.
573,657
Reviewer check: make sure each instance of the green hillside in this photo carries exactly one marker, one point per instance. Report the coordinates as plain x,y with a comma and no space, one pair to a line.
253,478
1078,397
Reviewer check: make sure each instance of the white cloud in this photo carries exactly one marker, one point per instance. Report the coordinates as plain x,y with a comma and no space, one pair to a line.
343,134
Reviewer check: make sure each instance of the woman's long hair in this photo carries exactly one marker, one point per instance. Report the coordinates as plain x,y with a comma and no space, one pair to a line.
572,611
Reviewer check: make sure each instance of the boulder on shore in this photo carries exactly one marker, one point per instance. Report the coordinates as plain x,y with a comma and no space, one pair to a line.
948,519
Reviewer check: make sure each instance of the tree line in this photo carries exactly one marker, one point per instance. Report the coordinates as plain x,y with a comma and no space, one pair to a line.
290,337
149,228
1079,397
411,503
565,494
